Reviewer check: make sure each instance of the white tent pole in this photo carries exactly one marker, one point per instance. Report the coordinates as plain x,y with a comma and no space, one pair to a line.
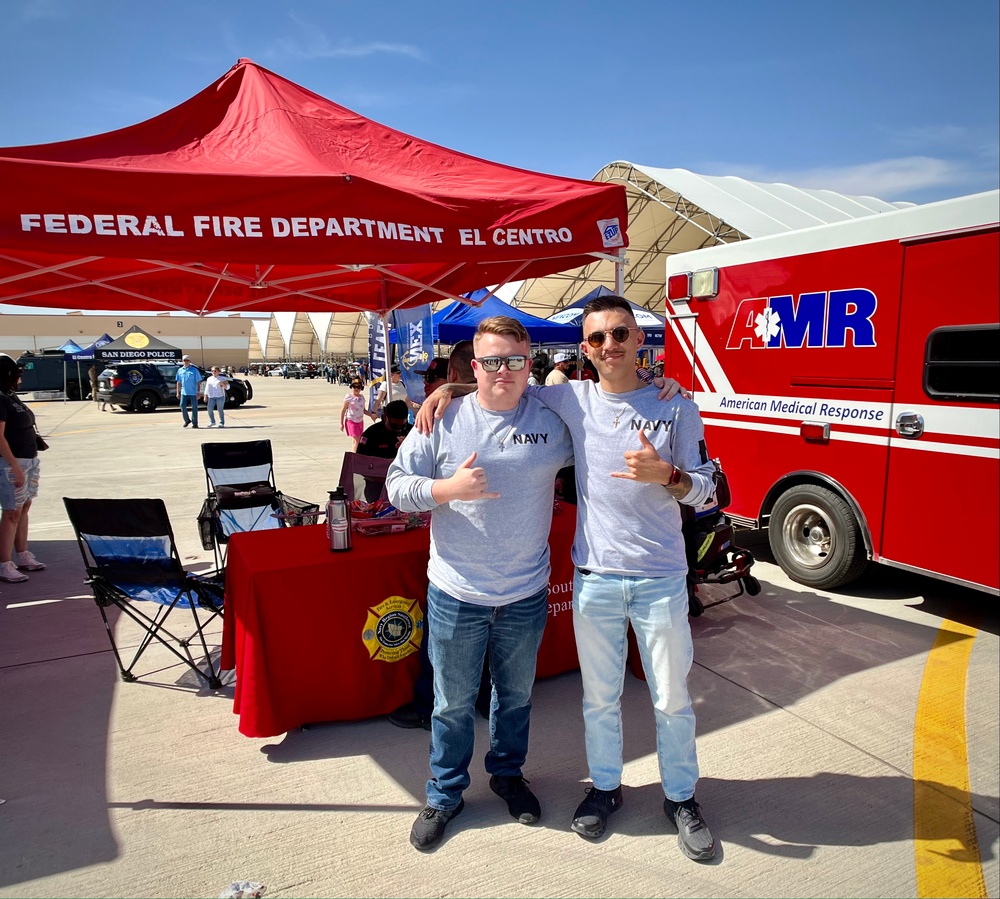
388,357
620,274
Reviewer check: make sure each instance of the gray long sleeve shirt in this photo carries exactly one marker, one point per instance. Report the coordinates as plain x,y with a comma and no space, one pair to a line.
488,551
628,527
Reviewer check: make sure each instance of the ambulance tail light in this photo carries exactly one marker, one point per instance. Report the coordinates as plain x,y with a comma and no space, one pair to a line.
817,431
679,286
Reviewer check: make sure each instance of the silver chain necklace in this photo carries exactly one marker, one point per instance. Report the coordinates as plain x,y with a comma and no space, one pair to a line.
500,440
618,414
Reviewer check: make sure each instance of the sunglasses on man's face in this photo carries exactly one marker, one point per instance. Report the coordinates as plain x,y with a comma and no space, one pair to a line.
620,335
493,363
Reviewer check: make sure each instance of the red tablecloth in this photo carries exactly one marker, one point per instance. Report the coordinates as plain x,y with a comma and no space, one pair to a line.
303,625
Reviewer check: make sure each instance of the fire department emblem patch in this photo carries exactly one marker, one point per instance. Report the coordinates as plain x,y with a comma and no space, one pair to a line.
394,629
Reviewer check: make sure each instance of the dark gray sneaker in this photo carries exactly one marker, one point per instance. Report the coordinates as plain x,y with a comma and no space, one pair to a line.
693,836
428,829
521,801
592,814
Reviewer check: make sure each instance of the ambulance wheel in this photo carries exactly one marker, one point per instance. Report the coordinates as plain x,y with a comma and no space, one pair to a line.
815,537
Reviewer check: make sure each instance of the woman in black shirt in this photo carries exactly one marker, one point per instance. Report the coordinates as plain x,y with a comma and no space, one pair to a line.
18,476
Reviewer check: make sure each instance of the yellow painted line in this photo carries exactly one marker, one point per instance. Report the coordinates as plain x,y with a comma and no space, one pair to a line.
944,831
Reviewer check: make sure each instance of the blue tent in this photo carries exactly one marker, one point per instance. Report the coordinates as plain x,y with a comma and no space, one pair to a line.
69,347
87,353
652,325
462,321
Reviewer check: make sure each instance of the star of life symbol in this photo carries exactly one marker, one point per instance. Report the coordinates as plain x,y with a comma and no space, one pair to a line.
767,323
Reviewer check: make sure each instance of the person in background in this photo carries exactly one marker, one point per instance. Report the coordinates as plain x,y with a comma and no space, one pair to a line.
353,412
215,396
398,392
643,372
434,375
19,469
586,372
563,363
460,363
189,383
383,440
488,569
93,375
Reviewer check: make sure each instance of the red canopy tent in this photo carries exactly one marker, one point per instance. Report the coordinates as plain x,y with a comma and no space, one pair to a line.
257,195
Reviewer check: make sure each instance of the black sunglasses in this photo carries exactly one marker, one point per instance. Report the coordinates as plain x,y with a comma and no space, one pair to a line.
493,363
620,335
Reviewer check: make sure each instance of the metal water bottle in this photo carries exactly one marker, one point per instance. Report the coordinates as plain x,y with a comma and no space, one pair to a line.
338,521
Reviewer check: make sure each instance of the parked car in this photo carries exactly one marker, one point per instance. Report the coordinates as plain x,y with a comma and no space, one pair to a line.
296,370
143,386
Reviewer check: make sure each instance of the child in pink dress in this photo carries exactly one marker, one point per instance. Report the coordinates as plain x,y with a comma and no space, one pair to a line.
353,412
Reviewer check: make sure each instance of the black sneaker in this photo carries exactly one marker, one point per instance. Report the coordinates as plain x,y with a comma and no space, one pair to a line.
693,836
520,800
407,716
592,814
428,829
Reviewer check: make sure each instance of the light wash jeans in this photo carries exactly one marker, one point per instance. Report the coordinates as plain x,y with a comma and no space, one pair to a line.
188,399
603,606
460,635
216,404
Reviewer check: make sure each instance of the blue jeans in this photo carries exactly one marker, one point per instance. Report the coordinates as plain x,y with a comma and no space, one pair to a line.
460,636
216,404
603,606
188,400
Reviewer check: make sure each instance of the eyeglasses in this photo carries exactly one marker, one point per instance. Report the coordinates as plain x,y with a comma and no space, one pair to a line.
620,335
493,363
356,387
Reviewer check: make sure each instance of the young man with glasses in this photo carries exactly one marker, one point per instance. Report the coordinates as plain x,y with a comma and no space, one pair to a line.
487,473
637,459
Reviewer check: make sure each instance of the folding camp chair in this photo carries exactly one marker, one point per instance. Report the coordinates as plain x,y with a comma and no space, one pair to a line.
130,556
242,495
372,468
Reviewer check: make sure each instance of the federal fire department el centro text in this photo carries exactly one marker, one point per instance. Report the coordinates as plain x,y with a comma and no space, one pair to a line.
249,226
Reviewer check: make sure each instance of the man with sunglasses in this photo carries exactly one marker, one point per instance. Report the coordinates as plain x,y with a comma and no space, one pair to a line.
637,459
487,473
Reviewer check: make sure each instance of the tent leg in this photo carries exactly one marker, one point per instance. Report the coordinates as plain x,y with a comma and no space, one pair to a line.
620,275
384,316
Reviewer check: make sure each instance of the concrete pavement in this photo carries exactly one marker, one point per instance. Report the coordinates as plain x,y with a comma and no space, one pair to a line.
807,705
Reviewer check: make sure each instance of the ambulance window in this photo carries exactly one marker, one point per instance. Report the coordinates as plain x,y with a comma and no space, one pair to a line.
963,363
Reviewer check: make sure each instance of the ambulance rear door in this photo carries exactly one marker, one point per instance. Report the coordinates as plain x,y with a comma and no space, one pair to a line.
944,453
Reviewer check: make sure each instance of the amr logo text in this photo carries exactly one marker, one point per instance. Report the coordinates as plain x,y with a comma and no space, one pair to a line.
822,319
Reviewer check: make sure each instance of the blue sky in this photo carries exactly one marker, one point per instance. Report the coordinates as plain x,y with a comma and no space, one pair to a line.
894,99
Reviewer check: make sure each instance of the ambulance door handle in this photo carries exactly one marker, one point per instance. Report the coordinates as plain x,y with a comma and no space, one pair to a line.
910,425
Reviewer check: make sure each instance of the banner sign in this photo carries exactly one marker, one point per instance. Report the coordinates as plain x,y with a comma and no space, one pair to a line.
414,336
376,355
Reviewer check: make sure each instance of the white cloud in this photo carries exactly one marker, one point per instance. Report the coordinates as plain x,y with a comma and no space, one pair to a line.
887,179
34,10
312,43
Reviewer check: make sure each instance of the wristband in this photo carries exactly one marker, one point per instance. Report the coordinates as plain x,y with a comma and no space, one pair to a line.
675,477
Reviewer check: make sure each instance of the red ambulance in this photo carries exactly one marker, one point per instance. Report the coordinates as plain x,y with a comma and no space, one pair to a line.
849,379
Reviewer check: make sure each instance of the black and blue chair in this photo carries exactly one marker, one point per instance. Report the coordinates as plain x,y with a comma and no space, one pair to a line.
132,564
